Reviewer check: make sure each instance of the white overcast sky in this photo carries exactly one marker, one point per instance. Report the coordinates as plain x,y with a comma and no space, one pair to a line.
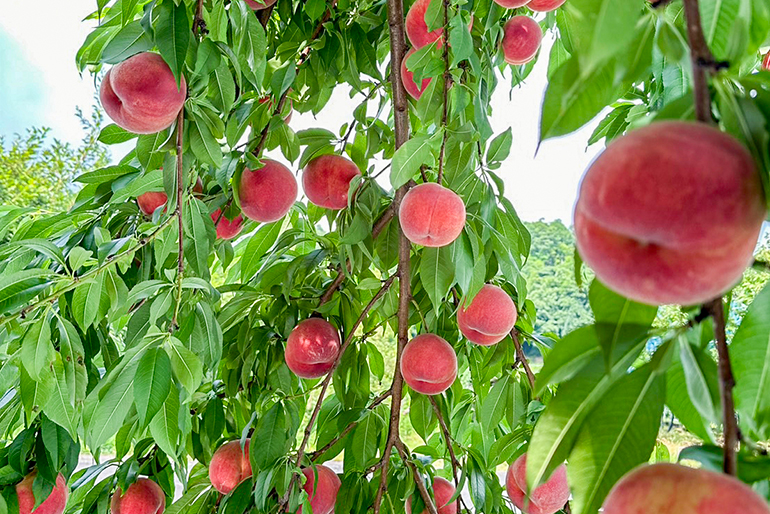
40,86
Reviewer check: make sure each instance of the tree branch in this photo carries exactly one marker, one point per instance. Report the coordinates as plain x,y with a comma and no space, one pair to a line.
523,358
327,381
314,456
448,439
726,385
179,207
702,59
402,450
199,26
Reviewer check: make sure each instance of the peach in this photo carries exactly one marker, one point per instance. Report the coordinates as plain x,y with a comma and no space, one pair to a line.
150,201
545,5
227,229
323,491
312,348
142,497
267,193
766,61
512,4
674,489
259,5
429,364
407,77
140,94
417,29
229,466
489,317
670,213
432,215
547,498
521,40
443,490
55,502
326,181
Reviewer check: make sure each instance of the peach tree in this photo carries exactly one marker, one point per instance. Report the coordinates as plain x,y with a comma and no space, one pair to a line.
214,338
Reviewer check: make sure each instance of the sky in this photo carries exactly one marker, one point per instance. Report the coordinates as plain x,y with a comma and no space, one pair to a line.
40,86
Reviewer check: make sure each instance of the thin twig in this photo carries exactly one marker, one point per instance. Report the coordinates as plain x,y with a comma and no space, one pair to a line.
314,456
700,54
447,79
523,358
327,381
179,209
199,26
448,440
419,482
726,385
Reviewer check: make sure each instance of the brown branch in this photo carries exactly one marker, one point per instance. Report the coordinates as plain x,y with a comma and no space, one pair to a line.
419,482
448,439
447,79
314,456
199,26
700,54
702,59
327,381
179,209
523,358
726,385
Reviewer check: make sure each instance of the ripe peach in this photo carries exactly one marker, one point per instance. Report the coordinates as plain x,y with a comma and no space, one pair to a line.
521,39
766,61
323,492
443,490
545,5
547,498
312,348
429,364
227,229
670,213
407,77
326,181
140,94
150,201
267,193
672,488
489,317
142,497
432,215
417,29
512,4
262,4
230,466
55,502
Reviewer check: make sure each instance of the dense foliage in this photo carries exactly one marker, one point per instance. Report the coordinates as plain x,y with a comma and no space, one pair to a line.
148,341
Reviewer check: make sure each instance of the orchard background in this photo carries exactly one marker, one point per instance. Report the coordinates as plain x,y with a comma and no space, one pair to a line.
133,331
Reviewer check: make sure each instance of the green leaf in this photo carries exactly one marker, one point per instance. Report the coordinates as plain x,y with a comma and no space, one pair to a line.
719,18
210,347
421,415
494,405
437,274
90,302
59,407
186,366
18,288
750,355
112,135
152,383
258,245
568,356
194,494
198,236
130,40
361,450
408,159
224,85
500,147
282,79
164,427
37,352
559,424
42,246
172,35
618,435
34,395
204,145
700,373
271,438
